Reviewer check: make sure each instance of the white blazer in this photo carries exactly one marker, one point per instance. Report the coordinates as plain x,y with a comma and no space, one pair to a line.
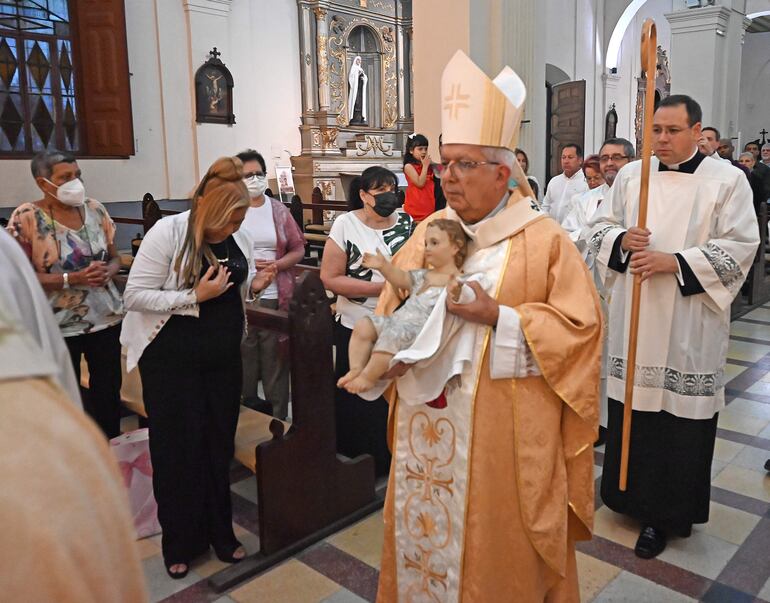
153,292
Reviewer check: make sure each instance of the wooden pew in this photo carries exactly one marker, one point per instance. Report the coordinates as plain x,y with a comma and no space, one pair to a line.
305,492
756,289
253,427
315,232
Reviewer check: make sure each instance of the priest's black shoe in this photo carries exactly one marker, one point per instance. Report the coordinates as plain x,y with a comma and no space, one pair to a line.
602,439
651,543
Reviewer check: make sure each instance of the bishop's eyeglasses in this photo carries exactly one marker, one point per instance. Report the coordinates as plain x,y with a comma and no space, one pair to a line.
463,166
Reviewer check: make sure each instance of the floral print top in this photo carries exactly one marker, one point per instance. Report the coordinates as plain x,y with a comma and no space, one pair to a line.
55,248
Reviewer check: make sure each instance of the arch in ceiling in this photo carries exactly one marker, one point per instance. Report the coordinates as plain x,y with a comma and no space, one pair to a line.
616,39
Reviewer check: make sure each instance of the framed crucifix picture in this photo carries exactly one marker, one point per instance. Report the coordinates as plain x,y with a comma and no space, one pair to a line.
214,92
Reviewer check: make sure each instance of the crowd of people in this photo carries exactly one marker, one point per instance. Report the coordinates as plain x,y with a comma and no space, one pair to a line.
539,310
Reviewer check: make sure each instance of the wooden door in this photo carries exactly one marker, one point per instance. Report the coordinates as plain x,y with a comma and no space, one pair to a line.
566,121
105,90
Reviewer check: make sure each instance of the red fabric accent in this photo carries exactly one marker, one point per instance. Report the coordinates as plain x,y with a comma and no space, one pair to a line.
439,402
420,202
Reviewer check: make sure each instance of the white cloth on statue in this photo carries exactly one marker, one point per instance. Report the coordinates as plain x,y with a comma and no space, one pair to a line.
445,347
582,208
561,189
708,217
355,72
27,312
260,225
432,370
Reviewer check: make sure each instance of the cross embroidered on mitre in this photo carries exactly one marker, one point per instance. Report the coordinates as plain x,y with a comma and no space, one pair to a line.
477,110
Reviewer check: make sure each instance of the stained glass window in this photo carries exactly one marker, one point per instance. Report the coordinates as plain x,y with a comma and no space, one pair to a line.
38,105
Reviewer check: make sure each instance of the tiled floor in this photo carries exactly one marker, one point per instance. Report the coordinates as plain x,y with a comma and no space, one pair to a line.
725,560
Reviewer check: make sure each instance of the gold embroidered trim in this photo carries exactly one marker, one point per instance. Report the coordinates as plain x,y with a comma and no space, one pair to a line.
484,346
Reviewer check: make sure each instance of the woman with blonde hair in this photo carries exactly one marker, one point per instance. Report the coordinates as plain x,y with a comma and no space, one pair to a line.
185,321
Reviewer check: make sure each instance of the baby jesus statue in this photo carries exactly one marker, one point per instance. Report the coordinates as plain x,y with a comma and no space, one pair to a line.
375,340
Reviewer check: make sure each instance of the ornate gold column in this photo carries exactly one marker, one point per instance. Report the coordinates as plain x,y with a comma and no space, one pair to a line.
410,32
306,49
322,39
401,73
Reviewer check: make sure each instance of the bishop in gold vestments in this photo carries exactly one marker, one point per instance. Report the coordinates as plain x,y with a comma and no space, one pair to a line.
488,493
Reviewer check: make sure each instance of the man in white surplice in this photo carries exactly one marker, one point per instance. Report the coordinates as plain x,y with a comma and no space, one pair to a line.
699,244
613,155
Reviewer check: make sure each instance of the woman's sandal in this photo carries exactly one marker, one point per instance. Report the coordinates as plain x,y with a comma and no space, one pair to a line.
229,558
177,575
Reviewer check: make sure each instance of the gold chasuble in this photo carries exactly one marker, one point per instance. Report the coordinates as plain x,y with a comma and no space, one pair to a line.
487,495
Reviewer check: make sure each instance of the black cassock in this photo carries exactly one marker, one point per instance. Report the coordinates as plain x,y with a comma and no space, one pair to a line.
669,468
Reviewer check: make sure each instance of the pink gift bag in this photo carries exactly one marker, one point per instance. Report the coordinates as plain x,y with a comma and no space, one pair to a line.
132,451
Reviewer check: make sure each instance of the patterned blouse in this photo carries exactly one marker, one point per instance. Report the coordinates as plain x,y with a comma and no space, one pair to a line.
55,248
356,238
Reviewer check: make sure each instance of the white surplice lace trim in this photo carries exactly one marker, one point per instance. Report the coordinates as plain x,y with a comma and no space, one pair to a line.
727,269
663,377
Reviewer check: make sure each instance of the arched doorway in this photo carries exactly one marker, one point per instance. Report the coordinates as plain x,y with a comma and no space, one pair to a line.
364,42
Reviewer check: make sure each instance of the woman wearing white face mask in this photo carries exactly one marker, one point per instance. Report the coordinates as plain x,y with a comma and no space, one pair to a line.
277,240
69,240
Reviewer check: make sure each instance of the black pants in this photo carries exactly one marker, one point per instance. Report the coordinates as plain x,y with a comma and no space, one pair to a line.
669,468
362,426
102,352
191,377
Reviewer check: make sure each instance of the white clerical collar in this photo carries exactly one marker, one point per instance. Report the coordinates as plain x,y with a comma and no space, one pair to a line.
675,166
470,229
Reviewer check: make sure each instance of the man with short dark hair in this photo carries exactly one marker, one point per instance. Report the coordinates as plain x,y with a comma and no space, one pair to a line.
699,244
709,143
726,148
563,187
613,155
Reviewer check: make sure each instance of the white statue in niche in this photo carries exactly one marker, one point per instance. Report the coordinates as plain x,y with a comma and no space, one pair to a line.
357,95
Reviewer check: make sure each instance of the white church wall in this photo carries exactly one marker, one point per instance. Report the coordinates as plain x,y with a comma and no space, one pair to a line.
167,42
264,46
755,87
622,88
432,49
560,34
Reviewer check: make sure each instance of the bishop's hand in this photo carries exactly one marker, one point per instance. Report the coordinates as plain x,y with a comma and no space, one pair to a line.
484,309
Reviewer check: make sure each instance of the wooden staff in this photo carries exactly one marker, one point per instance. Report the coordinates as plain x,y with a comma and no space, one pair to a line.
650,66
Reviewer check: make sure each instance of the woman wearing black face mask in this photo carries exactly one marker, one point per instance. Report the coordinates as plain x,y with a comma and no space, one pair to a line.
372,223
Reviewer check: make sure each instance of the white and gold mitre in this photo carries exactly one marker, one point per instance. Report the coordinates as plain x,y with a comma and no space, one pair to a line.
477,110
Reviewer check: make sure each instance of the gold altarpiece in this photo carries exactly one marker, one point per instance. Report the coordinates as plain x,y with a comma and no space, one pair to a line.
332,33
